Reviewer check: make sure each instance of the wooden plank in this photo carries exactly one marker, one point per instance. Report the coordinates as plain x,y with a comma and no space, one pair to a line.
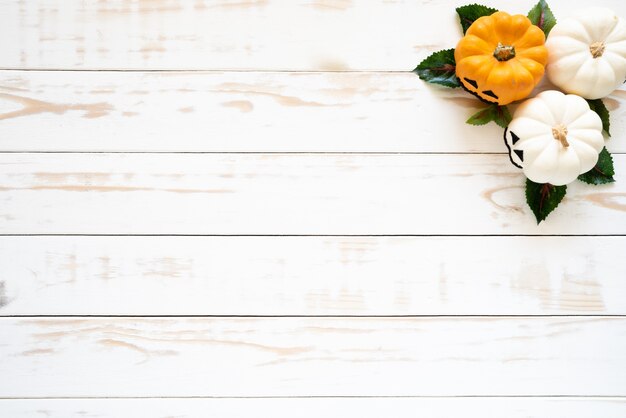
137,357
221,34
249,111
312,275
289,194
317,407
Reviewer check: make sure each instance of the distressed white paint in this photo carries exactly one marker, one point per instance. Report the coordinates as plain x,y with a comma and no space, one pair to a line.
246,112
225,111
323,35
312,275
289,194
112,357
319,407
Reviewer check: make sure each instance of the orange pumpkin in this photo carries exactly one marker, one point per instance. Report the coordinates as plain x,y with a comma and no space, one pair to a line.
501,58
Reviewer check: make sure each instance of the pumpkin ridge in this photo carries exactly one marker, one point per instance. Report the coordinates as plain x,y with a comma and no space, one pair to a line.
501,71
479,46
609,31
578,71
576,132
585,122
589,38
596,145
547,116
562,169
481,28
535,73
560,51
574,113
578,58
501,28
612,44
536,53
523,86
528,119
483,64
579,145
583,147
605,65
609,64
615,32
531,38
551,148
519,26
612,57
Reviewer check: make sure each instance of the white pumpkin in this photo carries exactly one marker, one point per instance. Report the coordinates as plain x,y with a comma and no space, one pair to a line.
587,53
554,137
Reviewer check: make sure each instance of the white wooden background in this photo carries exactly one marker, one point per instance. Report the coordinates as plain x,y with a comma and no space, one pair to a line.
251,208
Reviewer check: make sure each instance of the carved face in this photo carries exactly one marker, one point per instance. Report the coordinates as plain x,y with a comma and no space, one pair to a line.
501,58
554,137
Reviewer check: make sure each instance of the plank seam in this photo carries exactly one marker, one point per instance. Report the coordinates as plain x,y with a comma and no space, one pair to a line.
314,235
262,152
212,70
559,396
356,153
417,316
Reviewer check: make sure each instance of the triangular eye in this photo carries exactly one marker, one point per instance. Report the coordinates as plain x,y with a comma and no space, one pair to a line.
473,83
514,138
519,153
490,94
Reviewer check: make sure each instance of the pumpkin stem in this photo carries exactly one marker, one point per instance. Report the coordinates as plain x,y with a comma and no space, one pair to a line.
559,132
504,52
597,49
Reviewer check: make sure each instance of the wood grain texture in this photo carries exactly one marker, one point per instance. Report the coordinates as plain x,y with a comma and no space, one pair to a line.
249,34
246,112
312,275
289,194
314,408
517,358
111,357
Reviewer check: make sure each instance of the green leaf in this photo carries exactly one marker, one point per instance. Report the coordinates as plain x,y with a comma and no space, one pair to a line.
470,13
543,198
603,172
503,116
439,68
492,113
542,16
599,107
